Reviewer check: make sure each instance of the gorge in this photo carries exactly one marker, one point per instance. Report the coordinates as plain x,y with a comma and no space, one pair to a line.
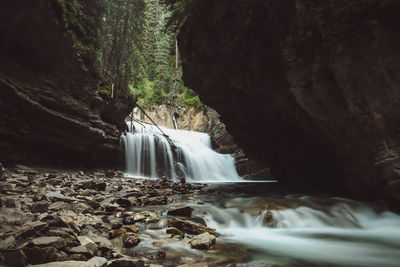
276,140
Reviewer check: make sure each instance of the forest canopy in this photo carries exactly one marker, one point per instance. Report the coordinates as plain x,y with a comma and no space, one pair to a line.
138,53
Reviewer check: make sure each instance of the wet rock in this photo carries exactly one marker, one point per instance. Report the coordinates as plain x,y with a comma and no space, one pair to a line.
161,200
181,211
77,257
26,170
2,170
131,228
57,196
98,261
30,229
161,254
189,227
200,264
59,205
87,246
112,207
174,231
268,219
7,188
127,202
8,243
130,240
71,218
115,233
10,203
66,264
37,255
40,207
125,263
115,224
39,195
203,241
49,241
14,258
55,181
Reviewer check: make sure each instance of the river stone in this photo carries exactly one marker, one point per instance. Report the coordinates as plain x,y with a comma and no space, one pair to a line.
13,258
88,243
37,255
130,240
8,243
203,241
49,241
189,227
131,228
181,211
30,228
70,217
98,261
40,207
125,263
66,264
77,257
174,231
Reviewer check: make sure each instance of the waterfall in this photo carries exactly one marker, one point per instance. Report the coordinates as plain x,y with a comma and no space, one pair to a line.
149,154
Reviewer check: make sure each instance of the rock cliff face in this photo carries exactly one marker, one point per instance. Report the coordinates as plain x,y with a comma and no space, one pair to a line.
310,87
49,107
193,119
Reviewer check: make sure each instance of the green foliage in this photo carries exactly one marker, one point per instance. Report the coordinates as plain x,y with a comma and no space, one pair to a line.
129,46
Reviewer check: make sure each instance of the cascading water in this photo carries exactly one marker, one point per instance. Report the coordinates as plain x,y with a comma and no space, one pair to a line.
149,154
334,232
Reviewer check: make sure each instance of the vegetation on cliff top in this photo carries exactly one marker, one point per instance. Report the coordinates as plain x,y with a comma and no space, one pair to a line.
131,48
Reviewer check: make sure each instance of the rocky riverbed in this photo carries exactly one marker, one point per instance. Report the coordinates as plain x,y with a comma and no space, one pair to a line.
99,218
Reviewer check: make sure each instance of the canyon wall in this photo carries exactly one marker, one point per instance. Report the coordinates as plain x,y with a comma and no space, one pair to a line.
50,111
309,87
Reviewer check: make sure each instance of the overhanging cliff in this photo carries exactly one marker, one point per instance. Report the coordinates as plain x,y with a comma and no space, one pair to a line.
310,87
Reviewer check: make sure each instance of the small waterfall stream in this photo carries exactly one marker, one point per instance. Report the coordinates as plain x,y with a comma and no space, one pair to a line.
149,154
320,231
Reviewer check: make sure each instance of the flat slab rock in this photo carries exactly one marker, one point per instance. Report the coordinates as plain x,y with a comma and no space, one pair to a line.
189,227
203,241
67,264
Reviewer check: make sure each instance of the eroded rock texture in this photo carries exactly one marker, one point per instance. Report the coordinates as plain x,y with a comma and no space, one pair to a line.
311,87
49,107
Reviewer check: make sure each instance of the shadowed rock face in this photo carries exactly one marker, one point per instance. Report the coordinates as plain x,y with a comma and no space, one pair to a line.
310,87
49,107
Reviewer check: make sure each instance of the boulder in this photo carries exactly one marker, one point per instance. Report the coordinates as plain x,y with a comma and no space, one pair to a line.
189,227
181,211
13,258
37,255
203,241
130,240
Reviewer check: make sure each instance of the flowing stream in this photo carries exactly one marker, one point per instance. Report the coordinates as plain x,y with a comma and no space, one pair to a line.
272,227
308,230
